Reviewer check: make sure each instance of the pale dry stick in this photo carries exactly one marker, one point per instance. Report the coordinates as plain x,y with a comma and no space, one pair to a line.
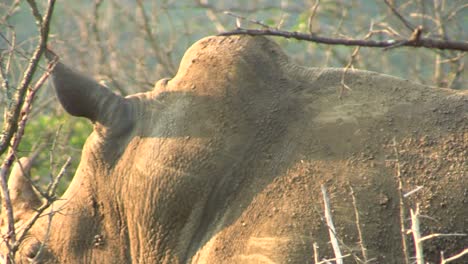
425,17
217,23
418,188
341,242
352,60
431,236
331,227
316,254
457,75
345,70
312,15
388,30
454,257
358,226
401,203
329,261
281,21
422,7
214,18
418,246
253,21
456,58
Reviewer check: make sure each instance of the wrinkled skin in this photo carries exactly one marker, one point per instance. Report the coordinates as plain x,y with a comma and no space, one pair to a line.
223,163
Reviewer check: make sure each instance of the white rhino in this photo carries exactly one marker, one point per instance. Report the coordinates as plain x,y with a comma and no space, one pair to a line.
223,163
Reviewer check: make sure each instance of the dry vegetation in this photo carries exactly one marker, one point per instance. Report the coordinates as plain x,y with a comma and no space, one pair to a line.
129,45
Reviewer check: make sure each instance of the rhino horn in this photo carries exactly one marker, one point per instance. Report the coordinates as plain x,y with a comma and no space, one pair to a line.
82,96
21,192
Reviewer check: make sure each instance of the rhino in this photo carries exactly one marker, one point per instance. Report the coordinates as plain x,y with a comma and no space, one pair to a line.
224,163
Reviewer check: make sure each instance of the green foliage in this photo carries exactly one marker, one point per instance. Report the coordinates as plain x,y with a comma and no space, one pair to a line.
56,137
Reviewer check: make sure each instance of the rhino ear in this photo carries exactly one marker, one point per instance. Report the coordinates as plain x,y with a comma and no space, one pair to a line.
22,194
84,97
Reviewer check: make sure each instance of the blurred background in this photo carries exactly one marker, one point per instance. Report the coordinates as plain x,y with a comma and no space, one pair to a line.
128,45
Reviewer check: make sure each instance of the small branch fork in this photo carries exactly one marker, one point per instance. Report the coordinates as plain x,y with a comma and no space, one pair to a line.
418,239
415,229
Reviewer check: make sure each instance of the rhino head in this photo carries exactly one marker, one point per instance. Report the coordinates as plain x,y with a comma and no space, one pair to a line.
223,163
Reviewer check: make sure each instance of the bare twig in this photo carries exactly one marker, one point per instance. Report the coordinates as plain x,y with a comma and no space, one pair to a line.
211,14
331,226
46,236
358,226
312,15
35,12
401,17
316,254
336,260
253,21
11,11
51,189
97,37
50,199
452,258
431,236
457,9
401,201
3,78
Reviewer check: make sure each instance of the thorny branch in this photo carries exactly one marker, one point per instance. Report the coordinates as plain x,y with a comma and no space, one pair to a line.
10,125
417,43
50,199
416,39
17,114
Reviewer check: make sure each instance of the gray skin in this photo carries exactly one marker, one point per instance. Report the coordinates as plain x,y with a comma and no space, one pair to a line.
223,163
